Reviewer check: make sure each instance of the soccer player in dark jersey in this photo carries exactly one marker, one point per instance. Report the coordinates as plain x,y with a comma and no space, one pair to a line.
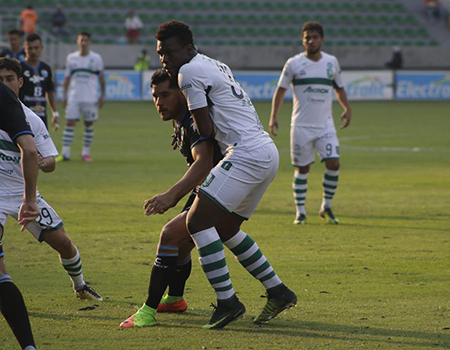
15,42
12,120
38,87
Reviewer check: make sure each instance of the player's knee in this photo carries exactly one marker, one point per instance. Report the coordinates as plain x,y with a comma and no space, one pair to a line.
332,164
302,169
169,236
72,123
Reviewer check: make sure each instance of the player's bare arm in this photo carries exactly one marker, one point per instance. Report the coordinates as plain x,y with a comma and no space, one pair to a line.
66,88
197,172
101,100
277,101
346,116
47,164
203,122
51,99
29,210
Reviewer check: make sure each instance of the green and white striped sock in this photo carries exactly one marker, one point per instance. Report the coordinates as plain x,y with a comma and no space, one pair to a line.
252,259
212,259
300,186
330,183
74,269
88,138
67,139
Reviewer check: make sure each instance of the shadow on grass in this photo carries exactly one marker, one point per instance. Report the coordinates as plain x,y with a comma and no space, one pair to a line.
302,330
347,224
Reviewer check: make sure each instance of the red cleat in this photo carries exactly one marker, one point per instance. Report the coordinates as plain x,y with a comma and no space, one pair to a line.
176,306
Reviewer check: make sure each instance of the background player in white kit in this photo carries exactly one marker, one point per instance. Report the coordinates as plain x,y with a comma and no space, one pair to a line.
84,74
48,226
221,109
312,75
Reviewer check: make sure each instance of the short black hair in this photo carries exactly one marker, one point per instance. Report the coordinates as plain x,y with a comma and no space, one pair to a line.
175,29
313,26
33,37
15,32
11,64
160,76
85,34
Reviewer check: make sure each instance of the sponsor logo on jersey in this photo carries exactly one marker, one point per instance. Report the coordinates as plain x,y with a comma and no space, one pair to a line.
311,90
35,79
44,73
186,86
330,70
5,157
302,72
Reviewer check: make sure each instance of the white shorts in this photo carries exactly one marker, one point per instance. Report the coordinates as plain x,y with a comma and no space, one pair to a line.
240,180
89,111
304,140
47,220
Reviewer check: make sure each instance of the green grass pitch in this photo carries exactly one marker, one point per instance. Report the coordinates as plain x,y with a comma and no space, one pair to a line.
379,280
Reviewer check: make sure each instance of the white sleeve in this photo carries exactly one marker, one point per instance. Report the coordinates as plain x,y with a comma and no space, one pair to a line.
337,80
193,84
287,75
101,67
68,70
44,142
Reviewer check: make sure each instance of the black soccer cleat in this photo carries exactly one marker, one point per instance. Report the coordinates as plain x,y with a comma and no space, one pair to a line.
276,303
326,213
300,220
225,312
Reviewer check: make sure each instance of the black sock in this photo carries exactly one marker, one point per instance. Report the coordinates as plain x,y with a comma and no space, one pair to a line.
162,272
178,282
15,312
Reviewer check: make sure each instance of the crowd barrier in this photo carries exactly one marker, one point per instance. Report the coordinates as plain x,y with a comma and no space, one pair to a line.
124,85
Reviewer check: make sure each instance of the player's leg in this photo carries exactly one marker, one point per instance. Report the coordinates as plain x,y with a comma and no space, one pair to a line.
173,301
90,114
12,305
204,214
224,190
249,254
302,155
72,116
328,148
173,235
70,259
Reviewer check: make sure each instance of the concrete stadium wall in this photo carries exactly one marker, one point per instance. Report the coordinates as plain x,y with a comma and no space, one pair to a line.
270,58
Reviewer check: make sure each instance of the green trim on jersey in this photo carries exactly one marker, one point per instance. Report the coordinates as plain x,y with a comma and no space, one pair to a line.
313,81
96,72
9,146
316,81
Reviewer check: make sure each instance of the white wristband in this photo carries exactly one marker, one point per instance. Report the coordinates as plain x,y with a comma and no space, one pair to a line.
56,114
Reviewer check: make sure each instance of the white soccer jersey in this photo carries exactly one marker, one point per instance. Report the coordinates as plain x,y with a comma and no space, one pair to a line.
11,180
312,84
83,72
207,82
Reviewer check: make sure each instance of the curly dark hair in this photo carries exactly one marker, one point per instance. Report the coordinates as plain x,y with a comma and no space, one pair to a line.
175,29
313,26
160,76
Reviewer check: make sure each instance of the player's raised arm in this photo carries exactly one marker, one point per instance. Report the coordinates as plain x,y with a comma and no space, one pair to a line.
277,101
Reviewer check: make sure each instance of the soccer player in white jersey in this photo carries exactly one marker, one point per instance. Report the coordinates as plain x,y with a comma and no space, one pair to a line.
313,75
84,75
221,109
48,226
